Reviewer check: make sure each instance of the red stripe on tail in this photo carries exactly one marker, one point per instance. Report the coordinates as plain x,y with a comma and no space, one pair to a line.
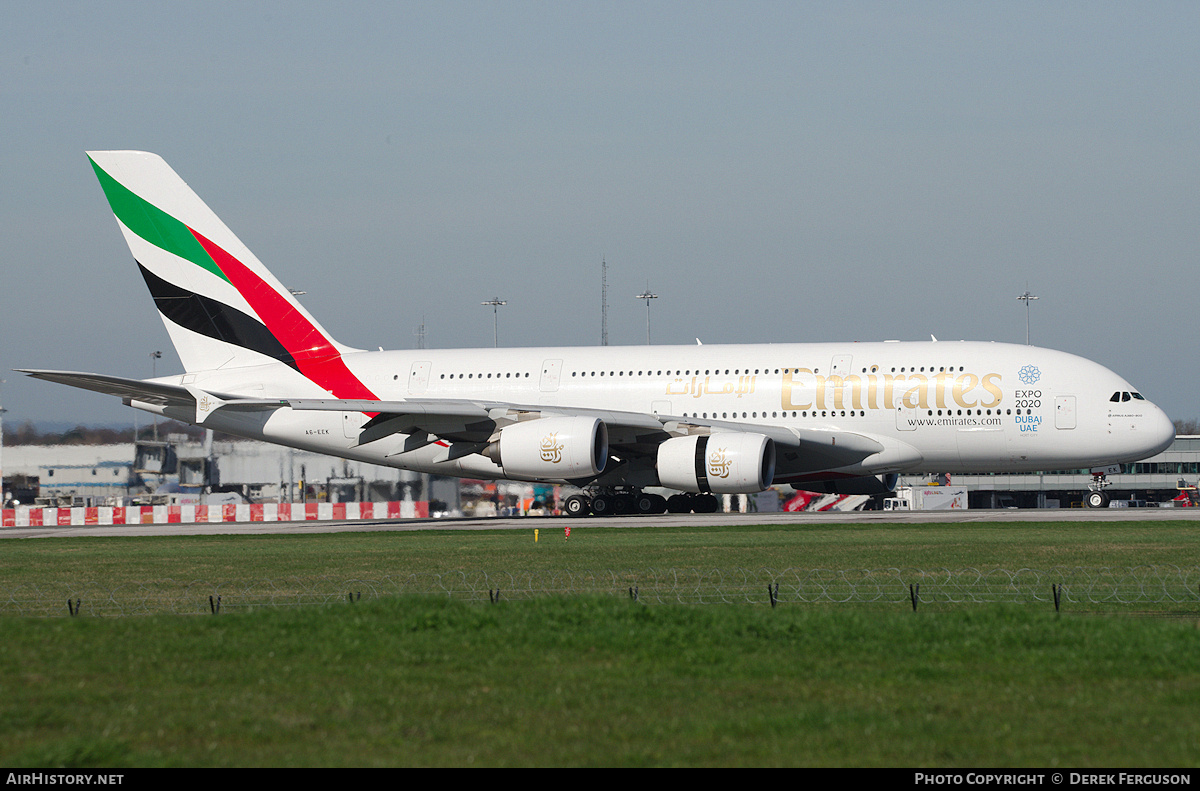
314,353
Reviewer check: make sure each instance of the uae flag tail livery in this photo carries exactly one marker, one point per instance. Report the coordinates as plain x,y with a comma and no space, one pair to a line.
221,306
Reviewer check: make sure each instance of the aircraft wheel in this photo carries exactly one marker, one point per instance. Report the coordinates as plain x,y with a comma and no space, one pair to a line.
679,504
624,504
577,505
1096,500
650,504
603,505
706,504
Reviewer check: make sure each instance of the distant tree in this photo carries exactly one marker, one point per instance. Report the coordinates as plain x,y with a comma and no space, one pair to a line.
27,433
1187,426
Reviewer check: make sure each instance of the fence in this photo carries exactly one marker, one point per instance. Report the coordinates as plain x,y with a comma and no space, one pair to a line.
1176,587
37,516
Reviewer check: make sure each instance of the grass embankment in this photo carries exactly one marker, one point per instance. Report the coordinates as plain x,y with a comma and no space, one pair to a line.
368,555
605,682
600,682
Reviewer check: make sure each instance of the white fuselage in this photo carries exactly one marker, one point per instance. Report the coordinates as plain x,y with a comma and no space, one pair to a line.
937,406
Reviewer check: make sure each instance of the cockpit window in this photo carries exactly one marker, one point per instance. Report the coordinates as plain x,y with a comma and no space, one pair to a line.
1139,396
1124,396
1115,397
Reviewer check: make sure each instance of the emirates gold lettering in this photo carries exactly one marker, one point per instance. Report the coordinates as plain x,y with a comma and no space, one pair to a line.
989,384
889,386
839,386
551,448
963,385
787,401
718,464
854,382
917,397
940,388
803,389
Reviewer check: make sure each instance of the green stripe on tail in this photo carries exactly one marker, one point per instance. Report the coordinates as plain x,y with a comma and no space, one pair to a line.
153,224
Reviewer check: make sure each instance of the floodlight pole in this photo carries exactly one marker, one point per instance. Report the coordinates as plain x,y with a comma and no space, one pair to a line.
2,411
1026,297
646,295
155,356
421,334
495,302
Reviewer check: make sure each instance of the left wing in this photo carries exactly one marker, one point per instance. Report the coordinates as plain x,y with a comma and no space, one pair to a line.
472,423
629,433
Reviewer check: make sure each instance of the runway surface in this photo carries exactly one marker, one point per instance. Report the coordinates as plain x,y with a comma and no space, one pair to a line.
552,523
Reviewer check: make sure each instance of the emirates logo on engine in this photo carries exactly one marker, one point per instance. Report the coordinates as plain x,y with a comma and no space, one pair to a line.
551,448
718,465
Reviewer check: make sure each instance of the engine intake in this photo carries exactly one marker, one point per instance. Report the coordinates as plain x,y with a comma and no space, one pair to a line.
552,448
725,463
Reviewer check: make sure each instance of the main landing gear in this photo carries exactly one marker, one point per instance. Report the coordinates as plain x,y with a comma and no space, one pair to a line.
609,502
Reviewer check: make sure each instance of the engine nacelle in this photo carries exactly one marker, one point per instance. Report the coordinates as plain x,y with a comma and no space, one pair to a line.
867,484
554,448
725,463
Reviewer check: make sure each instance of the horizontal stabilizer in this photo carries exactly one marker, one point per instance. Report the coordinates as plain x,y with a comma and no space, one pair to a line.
156,393
119,386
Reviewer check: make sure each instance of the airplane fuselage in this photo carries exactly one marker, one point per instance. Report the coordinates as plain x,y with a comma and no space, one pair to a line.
938,406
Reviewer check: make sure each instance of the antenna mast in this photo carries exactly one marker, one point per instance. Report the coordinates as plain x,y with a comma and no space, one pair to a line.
603,302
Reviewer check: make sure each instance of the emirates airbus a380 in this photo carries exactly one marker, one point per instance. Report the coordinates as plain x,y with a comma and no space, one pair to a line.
835,417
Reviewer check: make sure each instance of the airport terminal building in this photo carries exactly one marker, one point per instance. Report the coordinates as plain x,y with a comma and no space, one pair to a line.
256,472
1168,478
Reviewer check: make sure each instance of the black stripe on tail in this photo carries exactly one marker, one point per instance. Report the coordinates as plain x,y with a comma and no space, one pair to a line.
213,319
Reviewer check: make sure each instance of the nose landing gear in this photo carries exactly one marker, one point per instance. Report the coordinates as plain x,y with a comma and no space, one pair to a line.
1096,496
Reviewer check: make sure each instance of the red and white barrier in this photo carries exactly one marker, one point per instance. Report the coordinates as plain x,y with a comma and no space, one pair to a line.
34,516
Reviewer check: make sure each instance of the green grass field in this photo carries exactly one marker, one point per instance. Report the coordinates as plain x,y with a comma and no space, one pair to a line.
850,546
601,681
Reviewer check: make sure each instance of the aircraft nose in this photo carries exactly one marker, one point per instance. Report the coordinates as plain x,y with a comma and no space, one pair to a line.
1159,430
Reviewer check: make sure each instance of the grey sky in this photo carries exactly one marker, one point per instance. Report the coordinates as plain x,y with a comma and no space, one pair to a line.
774,171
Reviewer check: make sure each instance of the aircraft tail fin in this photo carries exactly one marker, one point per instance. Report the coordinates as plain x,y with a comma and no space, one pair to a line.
221,306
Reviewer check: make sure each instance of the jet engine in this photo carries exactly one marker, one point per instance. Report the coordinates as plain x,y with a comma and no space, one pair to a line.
866,484
552,448
725,463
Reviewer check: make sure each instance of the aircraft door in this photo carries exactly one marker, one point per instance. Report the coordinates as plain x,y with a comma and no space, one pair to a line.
906,418
841,365
352,423
1064,412
418,378
550,373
